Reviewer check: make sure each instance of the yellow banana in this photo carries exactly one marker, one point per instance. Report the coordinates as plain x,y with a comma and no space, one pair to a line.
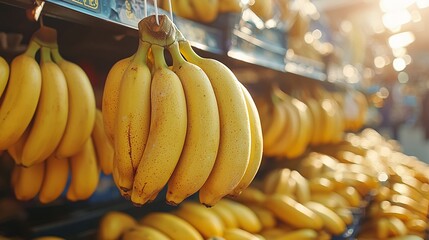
382,228
55,180
202,134
110,97
133,117
331,221
81,107
345,214
302,187
351,195
277,182
102,144
277,126
331,200
416,225
205,10
301,234
263,9
115,177
228,218
21,96
84,173
15,151
265,216
315,112
144,232
328,111
171,225
397,227
114,224
235,139
292,212
321,185
28,181
167,131
246,218
201,218
407,237
4,75
51,115
238,234
251,195
230,6
256,145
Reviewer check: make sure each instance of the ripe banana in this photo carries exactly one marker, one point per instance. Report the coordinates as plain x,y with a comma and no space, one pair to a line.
277,182
103,147
4,75
251,195
265,216
302,187
81,107
133,117
235,138
84,173
331,221
416,225
301,234
246,218
256,145
277,126
168,120
144,232
321,185
55,180
51,115
238,234
171,225
230,6
202,133
397,227
114,224
201,218
110,97
351,195
263,9
15,151
205,10
315,112
228,218
292,212
345,214
28,181
21,96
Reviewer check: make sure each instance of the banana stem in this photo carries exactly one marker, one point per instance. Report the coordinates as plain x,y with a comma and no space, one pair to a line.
162,34
56,55
175,54
158,54
142,51
32,48
188,52
45,54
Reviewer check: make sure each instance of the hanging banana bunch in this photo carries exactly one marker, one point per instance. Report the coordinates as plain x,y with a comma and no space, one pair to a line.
192,126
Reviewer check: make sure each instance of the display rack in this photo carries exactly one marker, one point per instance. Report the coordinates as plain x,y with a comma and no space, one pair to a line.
226,37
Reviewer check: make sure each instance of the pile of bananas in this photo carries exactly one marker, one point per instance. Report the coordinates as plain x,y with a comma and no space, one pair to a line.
192,126
48,114
309,116
205,11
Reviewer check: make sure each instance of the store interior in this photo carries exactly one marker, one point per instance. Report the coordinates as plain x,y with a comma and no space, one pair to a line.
312,122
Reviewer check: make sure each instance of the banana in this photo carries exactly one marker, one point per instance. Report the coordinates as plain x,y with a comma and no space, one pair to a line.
416,225
205,10
351,195
4,75
202,133
345,214
144,232
167,131
263,9
277,126
109,103
246,218
228,218
235,138
114,224
85,173
103,146
15,151
277,182
315,112
21,96
407,237
201,218
171,225
133,117
81,107
55,180
28,181
397,212
397,227
321,185
331,221
230,6
115,177
51,115
302,187
301,234
331,200
292,212
238,234
328,111
382,228
251,195
265,216
256,145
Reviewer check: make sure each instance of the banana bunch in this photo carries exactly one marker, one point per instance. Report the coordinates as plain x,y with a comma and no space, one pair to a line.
355,108
205,11
48,179
191,126
48,108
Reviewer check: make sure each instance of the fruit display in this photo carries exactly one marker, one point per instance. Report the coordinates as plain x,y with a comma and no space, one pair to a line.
192,127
